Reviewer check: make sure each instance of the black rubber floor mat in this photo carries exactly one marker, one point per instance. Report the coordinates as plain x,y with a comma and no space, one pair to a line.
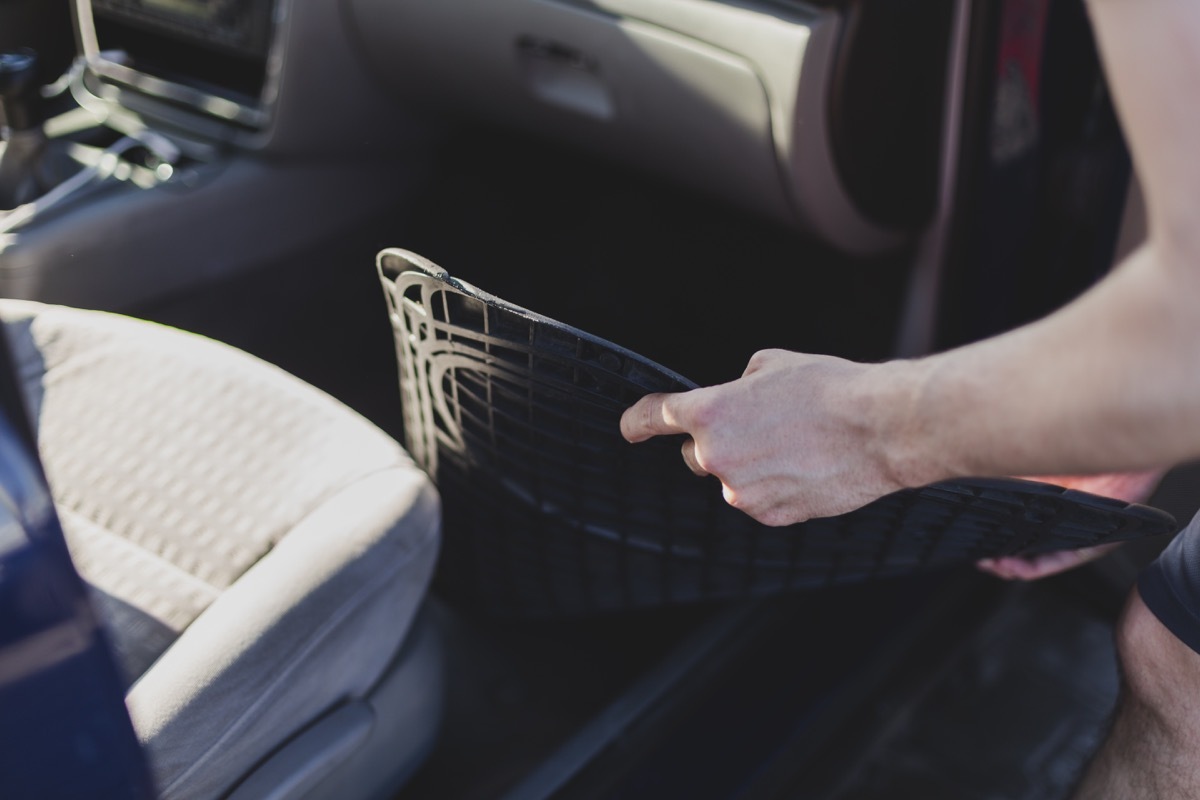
547,510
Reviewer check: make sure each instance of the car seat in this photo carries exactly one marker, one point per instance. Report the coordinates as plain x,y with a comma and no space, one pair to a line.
259,554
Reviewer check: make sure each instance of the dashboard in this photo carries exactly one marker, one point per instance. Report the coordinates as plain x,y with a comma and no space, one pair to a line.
817,115
212,57
237,26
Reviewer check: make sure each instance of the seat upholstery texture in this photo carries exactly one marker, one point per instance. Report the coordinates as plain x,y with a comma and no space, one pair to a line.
257,550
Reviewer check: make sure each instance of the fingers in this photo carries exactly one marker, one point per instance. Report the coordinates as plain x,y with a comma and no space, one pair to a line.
1131,487
653,415
690,458
1031,568
658,415
1015,568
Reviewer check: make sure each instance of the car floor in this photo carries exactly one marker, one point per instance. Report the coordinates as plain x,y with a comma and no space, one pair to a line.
1012,715
1018,710
1006,707
691,283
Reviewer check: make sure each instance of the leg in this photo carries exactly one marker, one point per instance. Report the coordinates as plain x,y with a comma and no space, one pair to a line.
1153,750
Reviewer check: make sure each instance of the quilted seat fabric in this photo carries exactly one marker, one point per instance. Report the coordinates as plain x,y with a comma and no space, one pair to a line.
257,550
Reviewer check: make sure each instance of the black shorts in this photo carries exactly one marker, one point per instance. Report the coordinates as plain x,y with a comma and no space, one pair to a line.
1170,586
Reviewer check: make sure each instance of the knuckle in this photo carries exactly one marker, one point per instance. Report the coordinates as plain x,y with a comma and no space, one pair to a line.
747,500
651,407
674,410
713,460
766,357
710,410
763,505
704,408
775,517
642,419
758,361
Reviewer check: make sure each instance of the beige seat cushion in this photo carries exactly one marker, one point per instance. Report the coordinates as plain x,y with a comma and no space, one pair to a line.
258,550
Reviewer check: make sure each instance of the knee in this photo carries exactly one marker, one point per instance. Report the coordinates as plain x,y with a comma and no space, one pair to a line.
1160,673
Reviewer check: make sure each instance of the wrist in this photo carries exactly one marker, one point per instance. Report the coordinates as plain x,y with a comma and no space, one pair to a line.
904,436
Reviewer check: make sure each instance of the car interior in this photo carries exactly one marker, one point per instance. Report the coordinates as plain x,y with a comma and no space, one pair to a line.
694,180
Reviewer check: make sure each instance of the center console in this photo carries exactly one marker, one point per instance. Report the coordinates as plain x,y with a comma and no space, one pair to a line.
208,138
213,57
239,26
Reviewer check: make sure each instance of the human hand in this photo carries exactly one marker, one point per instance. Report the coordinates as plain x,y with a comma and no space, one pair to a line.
1132,487
792,439
1033,568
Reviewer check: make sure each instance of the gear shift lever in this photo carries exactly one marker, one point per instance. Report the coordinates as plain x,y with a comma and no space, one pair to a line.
19,89
25,140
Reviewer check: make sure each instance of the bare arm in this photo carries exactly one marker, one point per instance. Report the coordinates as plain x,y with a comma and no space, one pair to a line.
1113,380
1110,382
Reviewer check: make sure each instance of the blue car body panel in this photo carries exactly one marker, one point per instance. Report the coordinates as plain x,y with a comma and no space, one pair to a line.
64,730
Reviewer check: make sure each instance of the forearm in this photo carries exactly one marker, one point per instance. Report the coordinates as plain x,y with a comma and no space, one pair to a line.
1113,380
1151,55
1110,382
